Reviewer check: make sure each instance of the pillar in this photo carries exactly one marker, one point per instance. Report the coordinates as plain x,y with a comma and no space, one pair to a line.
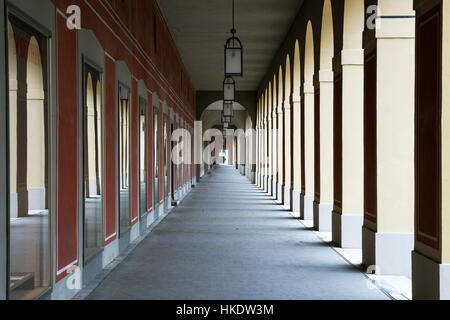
281,154
431,255
275,151
348,215
308,196
296,148
324,206
287,153
388,231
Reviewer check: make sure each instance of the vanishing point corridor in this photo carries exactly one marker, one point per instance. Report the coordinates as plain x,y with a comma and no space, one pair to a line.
229,240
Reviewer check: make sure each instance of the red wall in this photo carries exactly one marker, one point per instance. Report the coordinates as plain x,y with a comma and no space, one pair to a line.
125,30
67,141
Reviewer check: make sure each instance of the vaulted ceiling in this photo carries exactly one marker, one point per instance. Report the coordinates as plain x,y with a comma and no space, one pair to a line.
201,27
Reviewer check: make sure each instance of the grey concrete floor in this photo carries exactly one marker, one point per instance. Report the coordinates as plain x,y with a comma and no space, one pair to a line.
226,241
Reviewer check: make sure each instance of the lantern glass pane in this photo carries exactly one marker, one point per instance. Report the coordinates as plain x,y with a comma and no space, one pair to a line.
225,125
233,61
228,109
228,92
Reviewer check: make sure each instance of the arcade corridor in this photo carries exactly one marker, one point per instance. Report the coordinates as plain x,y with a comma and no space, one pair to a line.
224,149
228,240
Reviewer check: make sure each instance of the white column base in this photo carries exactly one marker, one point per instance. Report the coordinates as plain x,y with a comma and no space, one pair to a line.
322,217
288,197
274,189
307,207
296,201
346,230
280,193
430,280
389,252
269,186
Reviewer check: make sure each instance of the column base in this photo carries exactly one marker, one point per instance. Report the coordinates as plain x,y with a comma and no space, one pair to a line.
269,186
274,189
322,217
306,207
296,201
280,193
430,280
346,230
266,184
390,253
288,197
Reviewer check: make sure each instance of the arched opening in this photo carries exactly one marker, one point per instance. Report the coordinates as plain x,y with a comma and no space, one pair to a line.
297,72
36,133
13,86
288,136
296,133
230,154
323,206
274,138
309,127
348,140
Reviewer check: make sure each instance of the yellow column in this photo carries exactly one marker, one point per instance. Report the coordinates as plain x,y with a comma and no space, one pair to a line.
280,134
388,237
308,199
296,148
287,153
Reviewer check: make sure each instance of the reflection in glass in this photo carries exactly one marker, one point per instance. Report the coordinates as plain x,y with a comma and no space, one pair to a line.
143,157
93,159
29,259
156,159
124,159
166,161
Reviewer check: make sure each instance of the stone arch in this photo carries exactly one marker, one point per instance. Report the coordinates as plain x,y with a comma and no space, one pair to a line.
287,81
280,86
297,71
309,55
327,38
353,24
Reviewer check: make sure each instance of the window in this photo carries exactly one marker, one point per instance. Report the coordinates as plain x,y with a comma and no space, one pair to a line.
124,159
143,157
92,162
29,238
155,159
166,160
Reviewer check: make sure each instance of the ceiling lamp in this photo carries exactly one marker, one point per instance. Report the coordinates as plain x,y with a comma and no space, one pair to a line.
226,118
233,54
229,89
228,109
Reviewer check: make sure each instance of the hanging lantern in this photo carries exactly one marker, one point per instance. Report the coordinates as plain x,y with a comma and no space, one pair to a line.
228,109
228,89
234,54
226,118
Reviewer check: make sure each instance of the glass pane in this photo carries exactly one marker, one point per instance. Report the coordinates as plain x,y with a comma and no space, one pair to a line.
143,157
156,159
28,161
229,92
233,62
124,159
93,159
166,158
